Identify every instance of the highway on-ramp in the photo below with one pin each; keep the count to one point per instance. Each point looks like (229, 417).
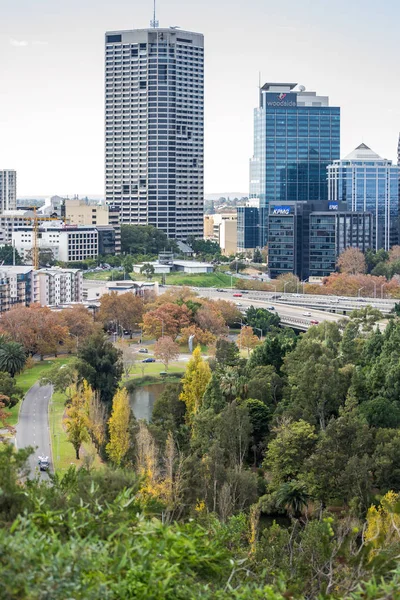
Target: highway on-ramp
(33, 426)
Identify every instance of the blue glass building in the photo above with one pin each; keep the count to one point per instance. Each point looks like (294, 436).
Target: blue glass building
(368, 183)
(296, 136)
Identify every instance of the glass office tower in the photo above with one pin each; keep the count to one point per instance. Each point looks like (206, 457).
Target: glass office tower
(368, 183)
(296, 136)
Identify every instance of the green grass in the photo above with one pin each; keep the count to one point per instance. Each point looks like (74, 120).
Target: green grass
(200, 279)
(101, 275)
(29, 377)
(62, 450)
(196, 280)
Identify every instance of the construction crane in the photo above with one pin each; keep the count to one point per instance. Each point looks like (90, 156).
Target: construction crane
(36, 220)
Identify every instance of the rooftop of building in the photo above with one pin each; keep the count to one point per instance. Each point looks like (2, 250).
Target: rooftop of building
(363, 152)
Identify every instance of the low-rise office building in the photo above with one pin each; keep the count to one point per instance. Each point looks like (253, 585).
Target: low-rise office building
(81, 212)
(68, 243)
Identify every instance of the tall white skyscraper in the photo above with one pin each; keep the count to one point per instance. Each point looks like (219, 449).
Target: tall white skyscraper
(154, 124)
(8, 190)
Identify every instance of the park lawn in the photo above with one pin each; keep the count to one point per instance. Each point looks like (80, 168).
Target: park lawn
(142, 369)
(29, 377)
(63, 452)
(98, 275)
(200, 279)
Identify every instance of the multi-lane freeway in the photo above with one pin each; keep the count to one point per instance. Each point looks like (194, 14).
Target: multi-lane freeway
(33, 425)
(297, 310)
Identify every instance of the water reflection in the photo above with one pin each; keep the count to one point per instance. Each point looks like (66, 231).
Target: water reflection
(143, 398)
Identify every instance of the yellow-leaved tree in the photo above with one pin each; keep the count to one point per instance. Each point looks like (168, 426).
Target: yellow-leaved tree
(195, 380)
(76, 420)
(118, 427)
(383, 523)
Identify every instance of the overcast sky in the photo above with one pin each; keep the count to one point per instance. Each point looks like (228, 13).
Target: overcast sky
(51, 78)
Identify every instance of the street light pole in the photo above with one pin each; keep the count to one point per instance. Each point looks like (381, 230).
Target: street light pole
(374, 282)
(260, 330)
(361, 288)
(284, 287)
(382, 286)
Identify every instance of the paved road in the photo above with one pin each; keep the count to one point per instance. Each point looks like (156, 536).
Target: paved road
(33, 425)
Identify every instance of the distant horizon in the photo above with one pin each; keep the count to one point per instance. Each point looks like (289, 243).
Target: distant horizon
(101, 196)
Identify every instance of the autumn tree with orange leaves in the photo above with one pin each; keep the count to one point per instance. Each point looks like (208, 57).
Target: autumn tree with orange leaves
(352, 262)
(168, 319)
(122, 310)
(39, 329)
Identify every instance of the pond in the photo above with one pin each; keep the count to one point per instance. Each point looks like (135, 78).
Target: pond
(143, 398)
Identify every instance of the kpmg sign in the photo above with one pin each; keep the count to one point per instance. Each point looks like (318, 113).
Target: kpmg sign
(284, 100)
(281, 210)
(333, 206)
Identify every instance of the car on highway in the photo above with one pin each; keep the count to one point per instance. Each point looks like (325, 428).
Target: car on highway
(237, 295)
(148, 360)
(143, 350)
(239, 304)
(220, 290)
(270, 307)
(314, 322)
(244, 291)
(306, 314)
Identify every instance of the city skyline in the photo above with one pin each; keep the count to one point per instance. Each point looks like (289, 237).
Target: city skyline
(52, 111)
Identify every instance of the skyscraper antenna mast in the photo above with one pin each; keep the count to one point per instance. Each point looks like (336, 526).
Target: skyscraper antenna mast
(154, 22)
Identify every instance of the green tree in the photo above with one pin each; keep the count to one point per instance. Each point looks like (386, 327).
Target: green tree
(273, 350)
(12, 358)
(144, 239)
(286, 453)
(293, 496)
(118, 427)
(260, 417)
(61, 377)
(213, 397)
(10, 393)
(101, 365)
(169, 411)
(148, 270)
(7, 254)
(227, 353)
(318, 385)
(266, 385)
(260, 318)
(340, 467)
(233, 384)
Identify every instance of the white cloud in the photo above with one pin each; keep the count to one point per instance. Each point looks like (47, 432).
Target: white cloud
(18, 43)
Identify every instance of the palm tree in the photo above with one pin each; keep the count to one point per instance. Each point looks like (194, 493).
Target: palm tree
(293, 496)
(12, 358)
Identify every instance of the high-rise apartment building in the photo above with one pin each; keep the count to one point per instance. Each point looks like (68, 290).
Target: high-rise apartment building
(296, 136)
(8, 190)
(154, 128)
(368, 183)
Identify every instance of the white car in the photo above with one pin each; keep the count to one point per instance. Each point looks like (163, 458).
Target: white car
(307, 314)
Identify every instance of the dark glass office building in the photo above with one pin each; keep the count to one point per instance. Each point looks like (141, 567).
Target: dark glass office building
(296, 136)
(288, 238)
(331, 232)
(248, 220)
